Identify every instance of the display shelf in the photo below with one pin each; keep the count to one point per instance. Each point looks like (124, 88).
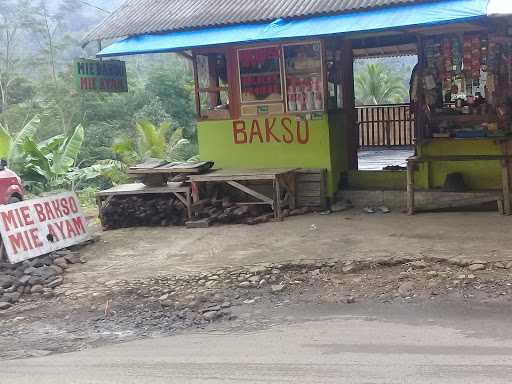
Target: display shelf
(464, 119)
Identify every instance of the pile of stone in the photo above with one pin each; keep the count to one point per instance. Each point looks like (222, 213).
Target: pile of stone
(39, 276)
(142, 211)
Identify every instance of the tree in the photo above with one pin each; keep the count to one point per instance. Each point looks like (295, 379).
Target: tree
(377, 85)
(15, 19)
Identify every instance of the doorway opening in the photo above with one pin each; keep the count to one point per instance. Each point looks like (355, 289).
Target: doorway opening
(385, 121)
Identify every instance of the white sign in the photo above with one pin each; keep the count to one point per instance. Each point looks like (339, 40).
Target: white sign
(36, 227)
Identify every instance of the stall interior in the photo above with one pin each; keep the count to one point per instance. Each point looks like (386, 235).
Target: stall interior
(467, 85)
(267, 80)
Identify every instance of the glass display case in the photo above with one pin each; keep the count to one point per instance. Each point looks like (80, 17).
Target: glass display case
(260, 74)
(304, 77)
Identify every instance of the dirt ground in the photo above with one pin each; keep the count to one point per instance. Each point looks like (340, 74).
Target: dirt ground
(153, 282)
(146, 252)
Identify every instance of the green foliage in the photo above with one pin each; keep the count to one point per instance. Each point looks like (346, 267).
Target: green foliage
(378, 85)
(52, 164)
(154, 142)
(153, 139)
(11, 146)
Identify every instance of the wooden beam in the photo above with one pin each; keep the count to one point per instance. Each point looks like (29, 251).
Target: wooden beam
(250, 192)
(349, 104)
(186, 55)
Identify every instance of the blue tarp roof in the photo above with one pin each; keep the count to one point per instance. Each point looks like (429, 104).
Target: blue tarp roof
(445, 11)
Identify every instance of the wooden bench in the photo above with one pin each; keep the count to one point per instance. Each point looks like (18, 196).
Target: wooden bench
(283, 185)
(504, 202)
(181, 192)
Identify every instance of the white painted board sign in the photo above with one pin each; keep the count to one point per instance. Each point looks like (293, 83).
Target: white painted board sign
(36, 227)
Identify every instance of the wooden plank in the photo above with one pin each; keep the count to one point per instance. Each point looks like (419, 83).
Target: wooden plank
(249, 191)
(139, 188)
(203, 223)
(241, 175)
(410, 187)
(506, 187)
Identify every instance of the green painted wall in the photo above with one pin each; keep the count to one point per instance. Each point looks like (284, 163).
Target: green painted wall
(478, 175)
(388, 180)
(270, 142)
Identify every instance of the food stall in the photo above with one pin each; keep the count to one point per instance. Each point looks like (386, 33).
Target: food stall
(264, 105)
(463, 102)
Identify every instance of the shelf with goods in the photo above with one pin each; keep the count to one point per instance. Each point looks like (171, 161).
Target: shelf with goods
(304, 77)
(461, 84)
(260, 75)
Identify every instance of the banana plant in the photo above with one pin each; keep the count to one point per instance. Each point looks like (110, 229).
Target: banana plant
(153, 139)
(52, 164)
(152, 143)
(11, 145)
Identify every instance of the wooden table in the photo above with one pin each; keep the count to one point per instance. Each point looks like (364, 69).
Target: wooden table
(180, 191)
(157, 174)
(505, 179)
(283, 182)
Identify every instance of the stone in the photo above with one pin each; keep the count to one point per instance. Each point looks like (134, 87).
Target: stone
(499, 265)
(419, 264)
(55, 283)
(4, 305)
(61, 262)
(476, 267)
(6, 281)
(508, 265)
(351, 300)
(166, 303)
(262, 283)
(277, 288)
(29, 270)
(45, 273)
(23, 280)
(406, 289)
(37, 289)
(12, 298)
(214, 308)
(211, 316)
(57, 269)
(164, 297)
(73, 258)
(35, 280)
(352, 267)
(257, 269)
(244, 284)
(225, 305)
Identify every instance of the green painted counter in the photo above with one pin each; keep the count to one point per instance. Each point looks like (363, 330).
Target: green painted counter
(271, 142)
(478, 175)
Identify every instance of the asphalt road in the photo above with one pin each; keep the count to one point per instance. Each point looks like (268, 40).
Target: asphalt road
(411, 345)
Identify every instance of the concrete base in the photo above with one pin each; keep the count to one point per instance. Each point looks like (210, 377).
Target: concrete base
(424, 200)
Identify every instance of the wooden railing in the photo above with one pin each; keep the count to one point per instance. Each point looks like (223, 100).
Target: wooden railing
(385, 125)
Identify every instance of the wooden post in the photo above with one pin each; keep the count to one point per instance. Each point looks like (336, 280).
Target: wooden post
(410, 187)
(506, 186)
(277, 198)
(349, 104)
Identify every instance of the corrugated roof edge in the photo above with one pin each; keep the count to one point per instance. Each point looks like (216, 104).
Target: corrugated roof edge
(93, 35)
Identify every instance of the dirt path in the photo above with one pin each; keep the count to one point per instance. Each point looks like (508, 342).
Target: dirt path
(147, 252)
